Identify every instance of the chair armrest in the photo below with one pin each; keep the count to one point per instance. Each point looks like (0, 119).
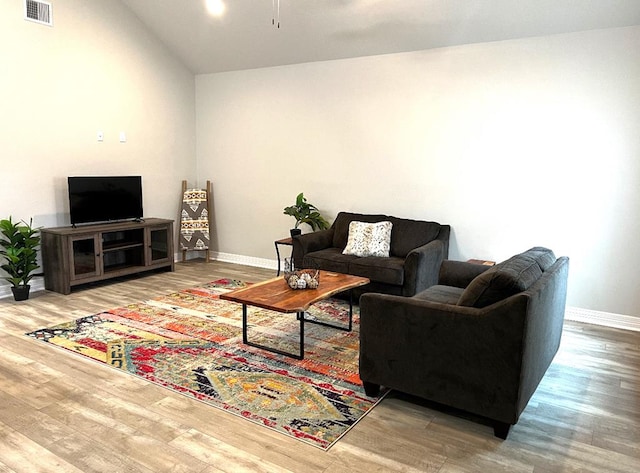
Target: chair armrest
(308, 242)
(446, 353)
(459, 273)
(421, 267)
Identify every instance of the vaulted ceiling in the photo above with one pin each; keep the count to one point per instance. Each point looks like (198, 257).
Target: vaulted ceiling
(246, 37)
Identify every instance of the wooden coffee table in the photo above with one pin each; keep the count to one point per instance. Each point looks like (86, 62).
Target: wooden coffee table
(275, 294)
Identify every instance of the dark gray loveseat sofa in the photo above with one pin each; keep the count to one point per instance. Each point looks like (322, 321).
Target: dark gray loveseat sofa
(480, 341)
(417, 250)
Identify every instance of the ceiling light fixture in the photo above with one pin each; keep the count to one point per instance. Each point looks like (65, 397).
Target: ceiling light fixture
(276, 12)
(215, 7)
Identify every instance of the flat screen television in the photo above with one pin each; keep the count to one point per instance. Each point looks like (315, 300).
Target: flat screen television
(94, 199)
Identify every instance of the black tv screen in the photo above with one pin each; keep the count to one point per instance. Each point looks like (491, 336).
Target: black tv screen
(95, 199)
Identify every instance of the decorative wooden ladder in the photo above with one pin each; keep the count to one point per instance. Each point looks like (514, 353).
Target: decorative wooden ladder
(195, 220)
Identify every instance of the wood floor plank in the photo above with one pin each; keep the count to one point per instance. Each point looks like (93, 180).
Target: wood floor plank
(62, 412)
(89, 454)
(20, 453)
(144, 450)
(5, 469)
(238, 433)
(348, 458)
(224, 456)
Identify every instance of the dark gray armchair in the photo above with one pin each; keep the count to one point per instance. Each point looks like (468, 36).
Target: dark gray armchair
(480, 341)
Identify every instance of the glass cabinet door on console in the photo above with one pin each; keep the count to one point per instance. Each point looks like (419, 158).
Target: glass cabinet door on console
(158, 245)
(85, 254)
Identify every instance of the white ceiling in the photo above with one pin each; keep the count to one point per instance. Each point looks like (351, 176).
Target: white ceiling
(319, 30)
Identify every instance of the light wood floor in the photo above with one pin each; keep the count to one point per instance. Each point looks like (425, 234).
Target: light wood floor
(62, 413)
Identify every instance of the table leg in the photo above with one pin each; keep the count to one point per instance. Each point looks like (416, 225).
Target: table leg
(348, 328)
(299, 356)
(278, 255)
(301, 317)
(244, 323)
(350, 310)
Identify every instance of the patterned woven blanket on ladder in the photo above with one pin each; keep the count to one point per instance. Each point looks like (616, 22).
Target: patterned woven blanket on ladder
(194, 220)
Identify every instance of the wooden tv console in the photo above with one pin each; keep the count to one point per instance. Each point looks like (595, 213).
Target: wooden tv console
(89, 253)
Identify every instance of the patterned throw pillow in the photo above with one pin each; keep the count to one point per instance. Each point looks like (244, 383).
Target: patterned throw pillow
(368, 239)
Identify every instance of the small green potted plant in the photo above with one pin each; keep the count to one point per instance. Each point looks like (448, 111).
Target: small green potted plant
(18, 247)
(304, 212)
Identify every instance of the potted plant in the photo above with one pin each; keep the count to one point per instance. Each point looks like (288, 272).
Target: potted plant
(18, 248)
(304, 212)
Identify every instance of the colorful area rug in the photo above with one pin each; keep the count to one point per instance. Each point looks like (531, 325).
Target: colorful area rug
(191, 342)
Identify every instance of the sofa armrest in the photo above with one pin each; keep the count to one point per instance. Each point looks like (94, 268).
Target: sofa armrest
(446, 353)
(421, 267)
(459, 273)
(308, 242)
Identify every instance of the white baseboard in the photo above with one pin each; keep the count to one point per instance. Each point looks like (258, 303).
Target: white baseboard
(246, 260)
(575, 314)
(606, 319)
(37, 284)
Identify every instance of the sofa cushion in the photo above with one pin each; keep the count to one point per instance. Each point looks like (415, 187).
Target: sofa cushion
(341, 226)
(440, 293)
(543, 256)
(410, 234)
(386, 270)
(368, 239)
(505, 279)
(329, 259)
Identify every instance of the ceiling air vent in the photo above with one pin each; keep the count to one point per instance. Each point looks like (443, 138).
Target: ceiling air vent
(38, 11)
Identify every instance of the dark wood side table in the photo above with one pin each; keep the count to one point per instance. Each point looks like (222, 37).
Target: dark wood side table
(483, 262)
(286, 242)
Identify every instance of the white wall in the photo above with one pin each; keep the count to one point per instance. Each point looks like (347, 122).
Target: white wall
(97, 68)
(515, 144)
